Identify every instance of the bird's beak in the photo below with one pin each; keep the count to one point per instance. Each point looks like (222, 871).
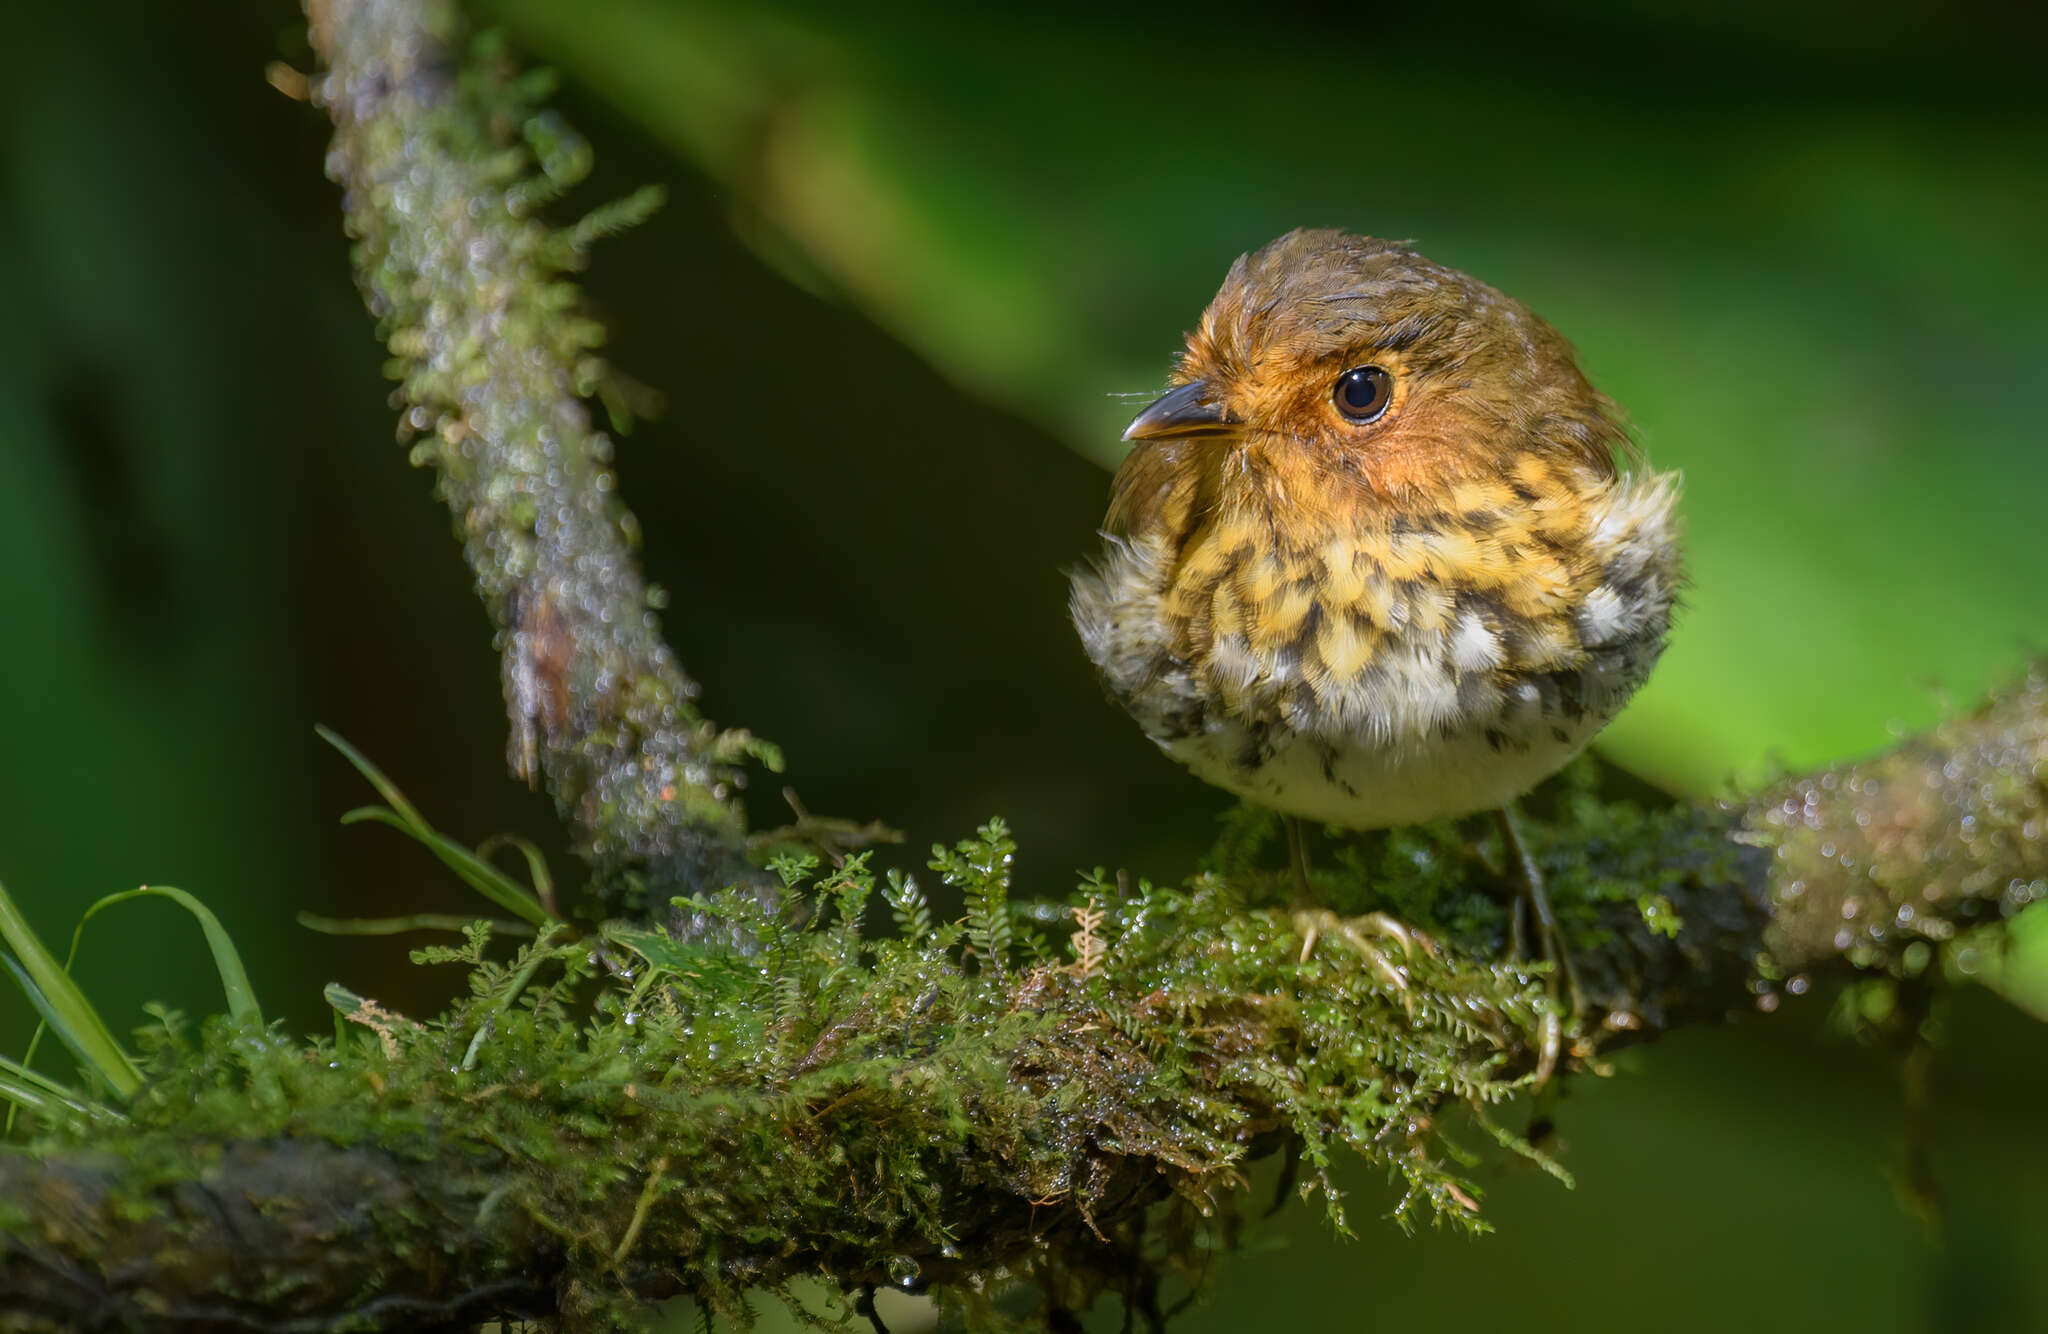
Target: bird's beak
(1183, 411)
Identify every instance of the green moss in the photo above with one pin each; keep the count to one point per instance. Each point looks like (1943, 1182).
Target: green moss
(930, 1107)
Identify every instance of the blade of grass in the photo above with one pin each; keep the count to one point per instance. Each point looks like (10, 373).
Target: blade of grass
(478, 874)
(20, 1096)
(234, 979)
(392, 926)
(81, 1046)
(385, 787)
(63, 1006)
(37, 1092)
(536, 866)
(488, 880)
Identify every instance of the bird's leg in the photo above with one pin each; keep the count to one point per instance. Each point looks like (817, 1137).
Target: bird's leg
(1547, 933)
(1309, 919)
(1297, 856)
(1313, 920)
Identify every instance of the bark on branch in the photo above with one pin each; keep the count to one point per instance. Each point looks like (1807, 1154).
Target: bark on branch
(496, 361)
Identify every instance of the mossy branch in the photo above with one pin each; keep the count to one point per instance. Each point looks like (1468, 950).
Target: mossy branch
(632, 1112)
(444, 166)
(813, 1103)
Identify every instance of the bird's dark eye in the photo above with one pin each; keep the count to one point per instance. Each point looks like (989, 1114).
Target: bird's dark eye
(1362, 393)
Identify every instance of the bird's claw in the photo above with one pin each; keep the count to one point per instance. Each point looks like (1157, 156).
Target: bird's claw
(1315, 923)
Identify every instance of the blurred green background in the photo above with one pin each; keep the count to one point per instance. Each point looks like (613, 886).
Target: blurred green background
(911, 259)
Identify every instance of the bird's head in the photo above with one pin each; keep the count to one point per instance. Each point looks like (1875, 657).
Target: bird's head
(1378, 374)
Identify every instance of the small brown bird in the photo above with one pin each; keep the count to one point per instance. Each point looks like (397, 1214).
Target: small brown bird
(1370, 561)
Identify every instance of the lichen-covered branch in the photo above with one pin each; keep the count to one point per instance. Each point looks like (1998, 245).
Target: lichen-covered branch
(496, 360)
(1882, 861)
(955, 1104)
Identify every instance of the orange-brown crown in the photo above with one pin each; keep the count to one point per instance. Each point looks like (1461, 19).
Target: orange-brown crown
(1477, 385)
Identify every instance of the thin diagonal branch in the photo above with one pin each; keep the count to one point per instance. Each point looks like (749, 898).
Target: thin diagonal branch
(495, 361)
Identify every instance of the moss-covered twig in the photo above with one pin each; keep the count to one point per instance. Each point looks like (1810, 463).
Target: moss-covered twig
(896, 1110)
(496, 360)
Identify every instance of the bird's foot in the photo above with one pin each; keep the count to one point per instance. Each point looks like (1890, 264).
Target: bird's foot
(1358, 933)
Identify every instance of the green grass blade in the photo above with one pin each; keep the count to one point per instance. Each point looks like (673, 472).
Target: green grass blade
(20, 1095)
(63, 1006)
(383, 815)
(393, 926)
(478, 874)
(82, 1045)
(36, 1092)
(487, 879)
(22, 1074)
(385, 787)
(536, 864)
(234, 979)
